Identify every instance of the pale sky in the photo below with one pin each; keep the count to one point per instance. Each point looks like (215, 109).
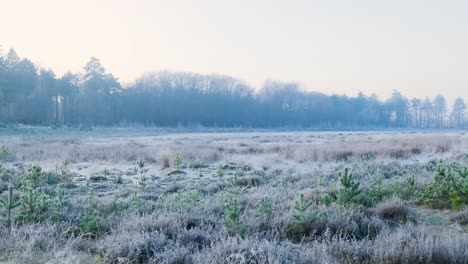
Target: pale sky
(419, 47)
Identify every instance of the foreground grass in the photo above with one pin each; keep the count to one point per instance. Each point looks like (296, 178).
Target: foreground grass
(358, 209)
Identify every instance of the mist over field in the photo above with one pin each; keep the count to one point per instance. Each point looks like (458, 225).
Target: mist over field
(94, 97)
(233, 132)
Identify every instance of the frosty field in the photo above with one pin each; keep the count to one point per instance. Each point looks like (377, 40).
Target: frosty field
(177, 196)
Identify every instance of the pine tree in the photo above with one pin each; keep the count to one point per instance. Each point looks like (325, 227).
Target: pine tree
(8, 205)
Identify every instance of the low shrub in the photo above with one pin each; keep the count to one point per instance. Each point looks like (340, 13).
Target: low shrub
(449, 188)
(393, 210)
(255, 250)
(6, 155)
(336, 222)
(461, 217)
(408, 244)
(90, 224)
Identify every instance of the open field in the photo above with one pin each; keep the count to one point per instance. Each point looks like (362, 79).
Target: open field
(160, 196)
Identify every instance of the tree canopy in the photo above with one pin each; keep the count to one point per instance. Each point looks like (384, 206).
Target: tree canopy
(33, 95)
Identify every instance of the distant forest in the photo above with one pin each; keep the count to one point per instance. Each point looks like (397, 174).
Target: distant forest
(31, 95)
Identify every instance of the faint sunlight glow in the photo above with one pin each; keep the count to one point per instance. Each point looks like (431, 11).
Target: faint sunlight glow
(416, 47)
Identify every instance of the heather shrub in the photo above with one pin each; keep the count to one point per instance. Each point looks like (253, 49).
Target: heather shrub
(135, 247)
(393, 210)
(6, 155)
(461, 217)
(411, 244)
(408, 244)
(336, 222)
(255, 250)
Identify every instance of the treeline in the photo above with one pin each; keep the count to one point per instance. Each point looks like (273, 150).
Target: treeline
(31, 95)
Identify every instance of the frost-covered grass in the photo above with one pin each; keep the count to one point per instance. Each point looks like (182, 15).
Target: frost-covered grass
(243, 197)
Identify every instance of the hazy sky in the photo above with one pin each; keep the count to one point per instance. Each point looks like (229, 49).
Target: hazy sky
(414, 46)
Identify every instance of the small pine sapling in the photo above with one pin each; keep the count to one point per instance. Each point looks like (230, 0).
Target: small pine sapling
(3, 173)
(220, 172)
(264, 208)
(43, 204)
(118, 179)
(177, 162)
(142, 181)
(60, 201)
(184, 201)
(411, 188)
(65, 174)
(8, 205)
(137, 203)
(459, 190)
(35, 176)
(298, 214)
(350, 191)
(89, 224)
(233, 209)
(28, 202)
